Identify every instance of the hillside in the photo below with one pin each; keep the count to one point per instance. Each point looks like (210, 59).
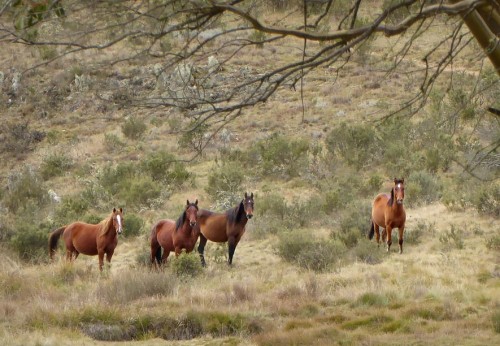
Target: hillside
(77, 140)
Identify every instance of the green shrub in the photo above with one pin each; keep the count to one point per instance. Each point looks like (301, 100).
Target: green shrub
(365, 251)
(309, 252)
(421, 188)
(158, 164)
(133, 225)
(134, 128)
(357, 216)
(113, 143)
(30, 241)
(194, 139)
(283, 157)
(452, 238)
(93, 219)
(413, 235)
(225, 184)
(141, 191)
(495, 319)
(357, 145)
(25, 188)
(487, 199)
(19, 139)
(113, 178)
(55, 165)
(72, 208)
(187, 264)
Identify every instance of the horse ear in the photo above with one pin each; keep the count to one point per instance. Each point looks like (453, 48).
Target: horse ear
(246, 195)
(196, 202)
(251, 195)
(121, 210)
(114, 210)
(187, 202)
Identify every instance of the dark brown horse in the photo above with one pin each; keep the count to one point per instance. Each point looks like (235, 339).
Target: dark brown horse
(175, 236)
(388, 212)
(89, 239)
(225, 227)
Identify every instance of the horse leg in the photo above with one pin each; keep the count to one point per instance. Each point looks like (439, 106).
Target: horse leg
(388, 230)
(164, 257)
(201, 249)
(231, 247)
(377, 233)
(100, 254)
(109, 254)
(401, 230)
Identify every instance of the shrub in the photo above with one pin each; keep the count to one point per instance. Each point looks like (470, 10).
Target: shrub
(283, 157)
(113, 143)
(356, 144)
(134, 128)
(487, 199)
(413, 235)
(452, 238)
(162, 166)
(71, 209)
(187, 264)
(422, 187)
(19, 139)
(224, 184)
(141, 191)
(194, 139)
(365, 251)
(493, 242)
(25, 188)
(55, 165)
(356, 216)
(30, 241)
(273, 205)
(113, 179)
(133, 225)
(310, 253)
(496, 321)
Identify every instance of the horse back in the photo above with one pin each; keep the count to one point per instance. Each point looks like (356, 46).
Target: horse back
(378, 209)
(82, 237)
(213, 225)
(164, 234)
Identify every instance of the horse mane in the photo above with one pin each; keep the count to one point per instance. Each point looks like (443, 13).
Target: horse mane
(391, 200)
(235, 214)
(180, 221)
(106, 224)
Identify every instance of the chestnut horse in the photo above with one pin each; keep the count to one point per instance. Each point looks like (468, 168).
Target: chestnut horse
(388, 212)
(175, 236)
(89, 239)
(225, 227)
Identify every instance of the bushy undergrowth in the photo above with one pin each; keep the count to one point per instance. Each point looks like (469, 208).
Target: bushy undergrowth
(310, 252)
(55, 165)
(134, 128)
(25, 189)
(225, 185)
(30, 241)
(187, 265)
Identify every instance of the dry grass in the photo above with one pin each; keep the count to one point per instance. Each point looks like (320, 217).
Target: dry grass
(419, 294)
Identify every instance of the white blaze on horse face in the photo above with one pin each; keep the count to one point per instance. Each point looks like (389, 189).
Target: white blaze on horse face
(119, 220)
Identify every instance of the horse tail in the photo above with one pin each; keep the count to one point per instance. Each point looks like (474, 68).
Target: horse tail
(53, 239)
(154, 242)
(372, 231)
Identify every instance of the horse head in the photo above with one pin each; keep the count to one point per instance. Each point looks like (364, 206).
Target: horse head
(118, 220)
(192, 213)
(248, 205)
(399, 190)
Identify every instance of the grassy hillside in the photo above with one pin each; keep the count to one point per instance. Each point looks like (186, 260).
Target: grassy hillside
(304, 272)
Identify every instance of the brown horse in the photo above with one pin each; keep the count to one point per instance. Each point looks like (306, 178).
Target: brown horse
(225, 227)
(175, 236)
(388, 212)
(89, 239)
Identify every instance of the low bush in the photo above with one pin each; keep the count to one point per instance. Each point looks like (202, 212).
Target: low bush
(30, 241)
(452, 239)
(225, 185)
(25, 188)
(309, 252)
(134, 128)
(421, 188)
(367, 252)
(55, 165)
(187, 265)
(133, 225)
(140, 191)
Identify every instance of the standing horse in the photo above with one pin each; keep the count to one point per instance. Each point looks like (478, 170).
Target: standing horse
(89, 239)
(225, 227)
(388, 212)
(175, 236)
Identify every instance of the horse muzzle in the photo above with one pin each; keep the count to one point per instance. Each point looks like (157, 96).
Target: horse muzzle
(249, 216)
(192, 223)
(119, 231)
(399, 201)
